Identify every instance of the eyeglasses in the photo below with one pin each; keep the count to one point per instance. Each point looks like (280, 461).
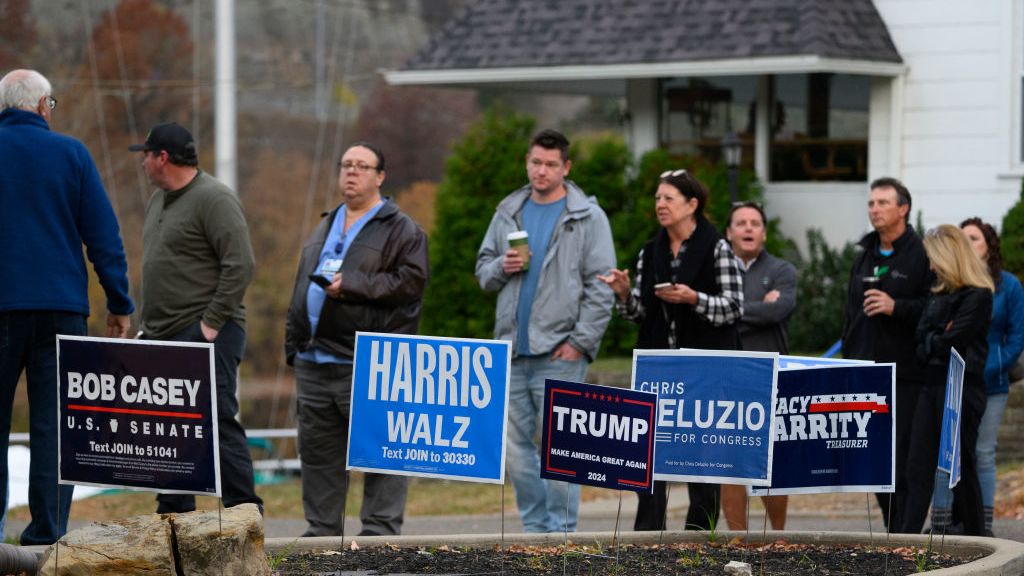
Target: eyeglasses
(51, 102)
(357, 166)
(672, 173)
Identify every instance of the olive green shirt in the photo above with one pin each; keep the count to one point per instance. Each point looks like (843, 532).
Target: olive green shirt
(197, 260)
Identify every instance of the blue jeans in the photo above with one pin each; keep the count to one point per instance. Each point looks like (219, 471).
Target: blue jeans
(28, 342)
(988, 436)
(544, 505)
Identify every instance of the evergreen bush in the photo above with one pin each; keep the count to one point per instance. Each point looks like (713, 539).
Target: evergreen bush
(821, 294)
(485, 165)
(1012, 238)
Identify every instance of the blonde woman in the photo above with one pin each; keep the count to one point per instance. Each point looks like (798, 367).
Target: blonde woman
(957, 315)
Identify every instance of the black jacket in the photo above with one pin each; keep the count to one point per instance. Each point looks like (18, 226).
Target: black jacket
(956, 320)
(384, 274)
(906, 278)
(696, 270)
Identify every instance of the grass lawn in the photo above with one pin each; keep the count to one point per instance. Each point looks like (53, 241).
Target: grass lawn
(427, 497)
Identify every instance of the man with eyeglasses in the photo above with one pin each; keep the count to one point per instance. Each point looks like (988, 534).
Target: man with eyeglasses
(197, 262)
(888, 287)
(363, 268)
(769, 298)
(51, 203)
(554, 310)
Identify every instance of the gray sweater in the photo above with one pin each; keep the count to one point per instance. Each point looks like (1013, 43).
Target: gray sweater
(763, 326)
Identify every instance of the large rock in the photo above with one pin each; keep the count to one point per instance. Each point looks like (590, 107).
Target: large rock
(137, 545)
(232, 543)
(205, 545)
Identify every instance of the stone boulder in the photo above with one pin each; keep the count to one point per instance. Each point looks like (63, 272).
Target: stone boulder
(230, 544)
(194, 544)
(137, 545)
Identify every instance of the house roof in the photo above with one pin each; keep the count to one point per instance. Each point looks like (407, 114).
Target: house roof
(649, 37)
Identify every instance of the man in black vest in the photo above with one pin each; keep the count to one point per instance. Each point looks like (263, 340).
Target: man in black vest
(888, 286)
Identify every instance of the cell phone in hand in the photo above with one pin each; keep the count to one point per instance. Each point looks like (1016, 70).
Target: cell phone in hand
(319, 280)
(662, 286)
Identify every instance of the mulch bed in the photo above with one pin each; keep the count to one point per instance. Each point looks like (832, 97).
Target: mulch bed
(650, 560)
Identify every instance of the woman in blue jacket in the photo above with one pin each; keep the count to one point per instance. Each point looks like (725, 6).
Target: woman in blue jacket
(1005, 344)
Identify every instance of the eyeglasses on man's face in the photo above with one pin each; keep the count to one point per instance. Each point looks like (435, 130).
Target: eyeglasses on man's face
(360, 167)
(672, 173)
(51, 102)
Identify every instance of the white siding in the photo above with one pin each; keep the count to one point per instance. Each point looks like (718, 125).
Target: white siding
(839, 210)
(956, 135)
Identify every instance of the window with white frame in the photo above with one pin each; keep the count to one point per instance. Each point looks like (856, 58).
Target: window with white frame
(817, 123)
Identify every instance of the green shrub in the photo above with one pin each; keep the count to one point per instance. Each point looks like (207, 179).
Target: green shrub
(821, 294)
(1012, 239)
(485, 165)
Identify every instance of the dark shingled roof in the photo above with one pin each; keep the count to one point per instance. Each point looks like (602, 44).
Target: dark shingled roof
(517, 33)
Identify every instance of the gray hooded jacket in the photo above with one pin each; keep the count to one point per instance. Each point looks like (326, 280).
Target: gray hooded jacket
(570, 302)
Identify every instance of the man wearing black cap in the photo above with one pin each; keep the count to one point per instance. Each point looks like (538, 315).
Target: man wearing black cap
(196, 264)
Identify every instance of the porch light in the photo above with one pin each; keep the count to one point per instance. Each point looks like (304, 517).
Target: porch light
(732, 154)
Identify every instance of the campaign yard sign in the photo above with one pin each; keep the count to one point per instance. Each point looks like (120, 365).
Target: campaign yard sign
(137, 414)
(598, 435)
(714, 418)
(834, 430)
(427, 406)
(949, 440)
(787, 361)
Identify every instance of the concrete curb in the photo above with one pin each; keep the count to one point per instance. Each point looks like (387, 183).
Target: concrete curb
(1002, 557)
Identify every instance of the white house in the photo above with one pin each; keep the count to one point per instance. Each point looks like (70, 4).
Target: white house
(826, 95)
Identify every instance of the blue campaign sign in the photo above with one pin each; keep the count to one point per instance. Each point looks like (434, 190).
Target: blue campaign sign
(426, 406)
(714, 418)
(788, 362)
(598, 435)
(834, 430)
(137, 414)
(949, 440)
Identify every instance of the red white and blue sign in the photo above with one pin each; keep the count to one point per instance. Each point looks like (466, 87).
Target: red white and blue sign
(426, 406)
(834, 430)
(715, 418)
(949, 440)
(137, 414)
(598, 435)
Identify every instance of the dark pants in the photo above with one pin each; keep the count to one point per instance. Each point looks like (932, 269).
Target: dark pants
(924, 454)
(891, 504)
(702, 514)
(322, 410)
(28, 342)
(236, 476)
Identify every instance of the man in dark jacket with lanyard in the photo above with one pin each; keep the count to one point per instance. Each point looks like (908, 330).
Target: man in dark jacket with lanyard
(363, 268)
(888, 287)
(51, 203)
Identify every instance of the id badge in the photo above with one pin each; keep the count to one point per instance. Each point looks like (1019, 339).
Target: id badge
(330, 267)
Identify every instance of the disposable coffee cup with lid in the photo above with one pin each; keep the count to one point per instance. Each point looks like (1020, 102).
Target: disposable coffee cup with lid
(870, 282)
(520, 242)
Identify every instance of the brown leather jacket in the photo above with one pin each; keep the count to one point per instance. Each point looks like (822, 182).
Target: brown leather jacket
(384, 274)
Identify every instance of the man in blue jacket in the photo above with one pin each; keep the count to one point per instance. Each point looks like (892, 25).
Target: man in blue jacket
(51, 203)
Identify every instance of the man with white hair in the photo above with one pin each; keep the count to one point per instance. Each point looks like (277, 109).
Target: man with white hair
(51, 203)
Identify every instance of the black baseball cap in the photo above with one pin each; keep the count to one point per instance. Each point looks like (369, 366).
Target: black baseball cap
(170, 136)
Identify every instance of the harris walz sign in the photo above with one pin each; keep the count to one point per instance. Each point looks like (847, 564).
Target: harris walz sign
(137, 414)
